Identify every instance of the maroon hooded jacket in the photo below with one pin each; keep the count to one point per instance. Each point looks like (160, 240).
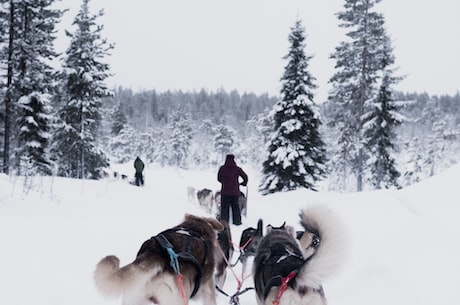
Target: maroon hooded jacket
(228, 176)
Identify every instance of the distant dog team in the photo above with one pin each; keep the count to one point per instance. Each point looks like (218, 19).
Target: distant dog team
(211, 201)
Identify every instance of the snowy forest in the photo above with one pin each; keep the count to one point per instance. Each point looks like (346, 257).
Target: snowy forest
(66, 121)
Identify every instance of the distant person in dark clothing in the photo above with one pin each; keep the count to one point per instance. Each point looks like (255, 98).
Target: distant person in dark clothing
(139, 166)
(228, 176)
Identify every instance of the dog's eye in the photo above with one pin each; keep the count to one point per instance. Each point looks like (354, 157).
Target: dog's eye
(315, 241)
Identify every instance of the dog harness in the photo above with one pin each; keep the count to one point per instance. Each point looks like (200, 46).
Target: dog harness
(286, 265)
(185, 255)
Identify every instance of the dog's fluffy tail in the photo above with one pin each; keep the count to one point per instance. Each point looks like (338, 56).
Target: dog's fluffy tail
(113, 281)
(331, 252)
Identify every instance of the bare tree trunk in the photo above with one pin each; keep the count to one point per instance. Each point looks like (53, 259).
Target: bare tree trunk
(82, 134)
(9, 81)
(363, 97)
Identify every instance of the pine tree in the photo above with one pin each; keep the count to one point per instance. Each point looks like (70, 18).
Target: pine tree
(414, 165)
(34, 133)
(297, 154)
(224, 138)
(359, 67)
(203, 142)
(434, 141)
(123, 145)
(379, 127)
(84, 74)
(150, 144)
(259, 132)
(180, 133)
(30, 78)
(379, 133)
(119, 120)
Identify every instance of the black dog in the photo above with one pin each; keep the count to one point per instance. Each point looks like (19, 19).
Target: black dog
(279, 254)
(289, 266)
(249, 242)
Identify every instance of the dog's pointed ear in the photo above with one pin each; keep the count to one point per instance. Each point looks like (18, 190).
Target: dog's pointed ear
(268, 229)
(215, 224)
(259, 227)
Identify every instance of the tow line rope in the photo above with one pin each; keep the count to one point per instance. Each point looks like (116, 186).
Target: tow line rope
(234, 299)
(241, 250)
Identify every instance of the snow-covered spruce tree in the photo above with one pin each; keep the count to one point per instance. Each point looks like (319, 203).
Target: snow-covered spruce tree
(30, 78)
(34, 133)
(150, 144)
(359, 67)
(414, 165)
(119, 120)
(223, 139)
(434, 141)
(161, 154)
(123, 145)
(259, 132)
(202, 148)
(379, 125)
(181, 134)
(76, 148)
(296, 152)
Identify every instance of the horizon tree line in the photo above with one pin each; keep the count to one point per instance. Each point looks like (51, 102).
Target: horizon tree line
(68, 123)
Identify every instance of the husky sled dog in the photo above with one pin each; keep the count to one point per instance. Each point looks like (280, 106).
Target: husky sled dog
(191, 194)
(249, 242)
(217, 198)
(242, 202)
(291, 271)
(205, 199)
(224, 254)
(155, 277)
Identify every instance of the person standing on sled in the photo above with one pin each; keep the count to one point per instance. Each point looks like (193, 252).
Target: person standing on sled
(228, 176)
(139, 166)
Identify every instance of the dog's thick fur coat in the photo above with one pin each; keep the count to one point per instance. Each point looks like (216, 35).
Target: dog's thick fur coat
(150, 277)
(306, 261)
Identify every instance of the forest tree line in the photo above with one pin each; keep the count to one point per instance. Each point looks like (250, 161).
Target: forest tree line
(67, 122)
(427, 142)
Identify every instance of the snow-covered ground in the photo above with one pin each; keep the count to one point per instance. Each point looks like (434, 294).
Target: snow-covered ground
(403, 246)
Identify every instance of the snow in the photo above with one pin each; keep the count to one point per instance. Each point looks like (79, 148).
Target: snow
(402, 244)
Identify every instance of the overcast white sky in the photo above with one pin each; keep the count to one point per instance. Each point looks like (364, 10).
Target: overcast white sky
(239, 44)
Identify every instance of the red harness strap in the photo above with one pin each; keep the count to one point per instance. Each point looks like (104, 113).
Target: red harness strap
(180, 283)
(284, 285)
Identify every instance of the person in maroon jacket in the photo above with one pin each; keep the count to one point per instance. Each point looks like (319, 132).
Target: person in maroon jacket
(228, 176)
